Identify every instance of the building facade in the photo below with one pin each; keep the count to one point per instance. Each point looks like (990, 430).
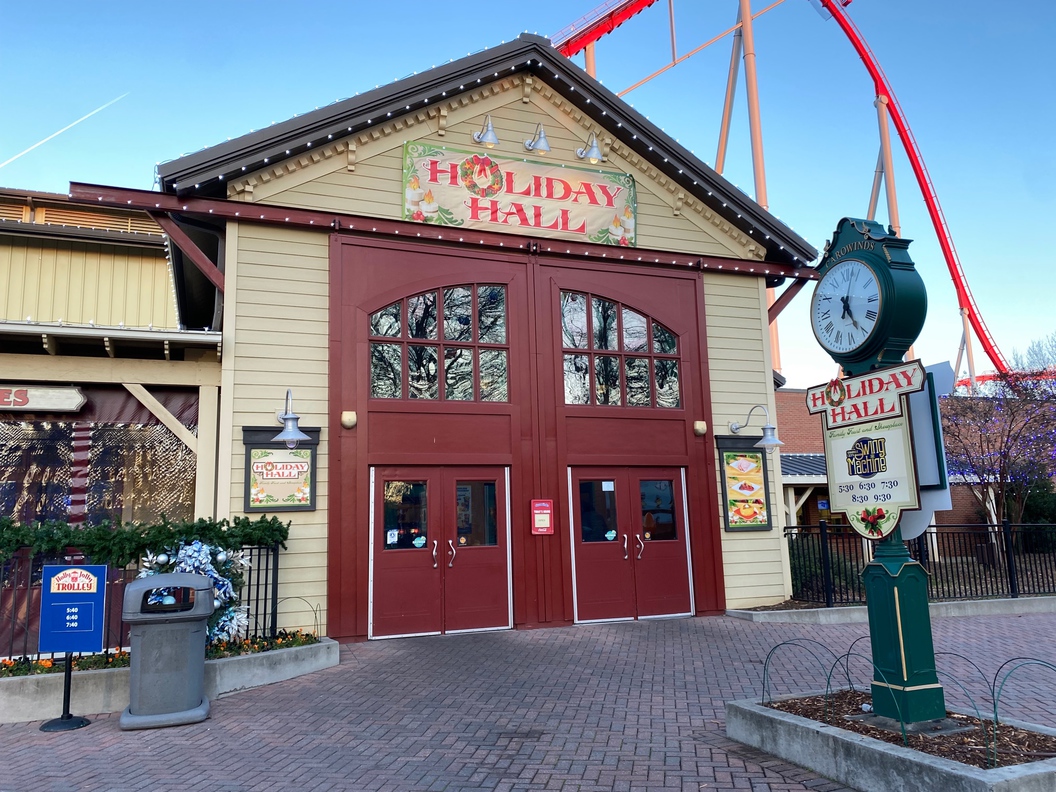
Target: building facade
(521, 363)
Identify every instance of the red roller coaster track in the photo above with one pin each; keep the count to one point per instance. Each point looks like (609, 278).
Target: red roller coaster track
(607, 17)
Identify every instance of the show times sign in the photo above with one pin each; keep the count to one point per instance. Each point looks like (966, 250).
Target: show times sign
(869, 446)
(473, 189)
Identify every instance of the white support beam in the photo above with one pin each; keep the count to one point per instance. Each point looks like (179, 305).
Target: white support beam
(205, 464)
(158, 410)
(41, 368)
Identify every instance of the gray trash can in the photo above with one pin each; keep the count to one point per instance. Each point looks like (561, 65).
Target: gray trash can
(168, 615)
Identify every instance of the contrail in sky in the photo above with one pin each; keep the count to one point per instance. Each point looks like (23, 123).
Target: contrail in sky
(56, 134)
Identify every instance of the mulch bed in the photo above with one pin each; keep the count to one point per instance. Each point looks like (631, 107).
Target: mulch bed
(1014, 746)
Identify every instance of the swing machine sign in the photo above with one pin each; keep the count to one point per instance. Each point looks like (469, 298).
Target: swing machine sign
(72, 609)
(869, 446)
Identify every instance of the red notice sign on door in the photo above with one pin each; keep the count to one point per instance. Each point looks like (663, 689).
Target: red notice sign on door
(542, 517)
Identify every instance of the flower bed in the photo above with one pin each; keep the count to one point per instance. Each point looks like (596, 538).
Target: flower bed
(284, 640)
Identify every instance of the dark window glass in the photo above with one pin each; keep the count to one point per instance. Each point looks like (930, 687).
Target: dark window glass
(422, 372)
(494, 375)
(658, 510)
(405, 522)
(386, 322)
(573, 320)
(635, 332)
(476, 517)
(639, 391)
(607, 379)
(623, 366)
(491, 314)
(597, 511)
(421, 316)
(458, 374)
(667, 383)
(577, 386)
(458, 314)
(664, 340)
(471, 315)
(386, 371)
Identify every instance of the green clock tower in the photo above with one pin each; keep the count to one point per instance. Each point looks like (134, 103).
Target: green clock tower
(870, 303)
(867, 310)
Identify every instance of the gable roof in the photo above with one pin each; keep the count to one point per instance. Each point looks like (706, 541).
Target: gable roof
(206, 172)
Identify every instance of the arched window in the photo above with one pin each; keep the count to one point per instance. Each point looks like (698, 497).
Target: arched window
(616, 356)
(445, 345)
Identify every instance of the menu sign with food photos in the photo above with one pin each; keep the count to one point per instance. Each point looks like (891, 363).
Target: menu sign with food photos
(744, 492)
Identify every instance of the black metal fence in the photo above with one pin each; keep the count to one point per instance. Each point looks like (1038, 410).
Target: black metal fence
(963, 562)
(20, 584)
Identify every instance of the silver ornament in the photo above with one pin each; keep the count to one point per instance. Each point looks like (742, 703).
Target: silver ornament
(162, 558)
(216, 604)
(221, 557)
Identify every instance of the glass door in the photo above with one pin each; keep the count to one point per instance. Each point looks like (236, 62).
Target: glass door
(630, 545)
(440, 555)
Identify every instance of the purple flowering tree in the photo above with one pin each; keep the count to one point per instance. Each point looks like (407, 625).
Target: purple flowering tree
(1001, 440)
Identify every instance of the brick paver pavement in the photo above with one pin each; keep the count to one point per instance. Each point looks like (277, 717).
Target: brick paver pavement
(633, 706)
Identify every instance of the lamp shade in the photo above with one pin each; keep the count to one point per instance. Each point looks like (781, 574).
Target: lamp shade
(290, 435)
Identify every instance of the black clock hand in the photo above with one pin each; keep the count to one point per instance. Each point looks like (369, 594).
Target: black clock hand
(847, 311)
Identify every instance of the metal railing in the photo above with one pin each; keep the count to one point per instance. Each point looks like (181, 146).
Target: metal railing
(963, 562)
(20, 584)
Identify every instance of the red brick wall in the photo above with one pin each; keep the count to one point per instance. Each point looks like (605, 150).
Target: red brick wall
(799, 430)
(965, 509)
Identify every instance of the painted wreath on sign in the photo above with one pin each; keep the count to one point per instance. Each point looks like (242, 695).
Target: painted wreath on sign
(480, 175)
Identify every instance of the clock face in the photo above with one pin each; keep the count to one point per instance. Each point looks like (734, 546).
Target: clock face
(845, 306)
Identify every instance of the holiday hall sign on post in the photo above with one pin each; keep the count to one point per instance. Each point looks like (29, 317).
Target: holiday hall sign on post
(869, 446)
(473, 189)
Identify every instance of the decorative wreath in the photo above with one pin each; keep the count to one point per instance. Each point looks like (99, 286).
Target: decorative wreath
(480, 176)
(835, 393)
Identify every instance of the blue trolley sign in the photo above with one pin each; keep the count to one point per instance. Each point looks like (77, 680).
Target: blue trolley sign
(72, 609)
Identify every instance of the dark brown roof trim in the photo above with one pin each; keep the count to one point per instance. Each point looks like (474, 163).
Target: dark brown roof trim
(206, 172)
(68, 233)
(215, 209)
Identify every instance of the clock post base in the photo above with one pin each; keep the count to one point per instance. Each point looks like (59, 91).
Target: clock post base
(905, 684)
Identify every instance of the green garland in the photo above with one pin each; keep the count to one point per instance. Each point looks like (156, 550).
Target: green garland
(120, 545)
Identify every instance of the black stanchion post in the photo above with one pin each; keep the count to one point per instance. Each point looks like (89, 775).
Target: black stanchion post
(1010, 560)
(66, 722)
(826, 562)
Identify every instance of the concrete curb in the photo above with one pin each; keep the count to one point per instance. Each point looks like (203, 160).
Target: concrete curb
(857, 614)
(874, 765)
(39, 697)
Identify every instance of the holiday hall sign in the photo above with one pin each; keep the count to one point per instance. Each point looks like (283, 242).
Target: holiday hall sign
(473, 189)
(869, 446)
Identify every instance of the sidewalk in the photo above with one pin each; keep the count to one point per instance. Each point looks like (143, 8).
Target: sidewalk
(632, 706)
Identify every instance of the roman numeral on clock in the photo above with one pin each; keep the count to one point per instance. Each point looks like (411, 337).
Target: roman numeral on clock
(870, 315)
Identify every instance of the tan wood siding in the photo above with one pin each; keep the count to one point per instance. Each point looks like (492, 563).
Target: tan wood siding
(375, 187)
(755, 564)
(79, 283)
(281, 341)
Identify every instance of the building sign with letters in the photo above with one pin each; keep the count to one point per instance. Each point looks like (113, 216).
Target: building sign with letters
(72, 609)
(869, 446)
(474, 189)
(33, 398)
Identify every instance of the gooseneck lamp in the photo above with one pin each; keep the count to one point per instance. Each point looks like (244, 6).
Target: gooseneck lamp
(769, 440)
(290, 434)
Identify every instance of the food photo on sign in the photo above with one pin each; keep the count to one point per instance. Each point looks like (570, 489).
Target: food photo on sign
(744, 477)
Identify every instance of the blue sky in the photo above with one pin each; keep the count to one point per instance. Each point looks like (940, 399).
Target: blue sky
(975, 81)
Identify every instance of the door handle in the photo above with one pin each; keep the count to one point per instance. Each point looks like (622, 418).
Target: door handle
(641, 547)
(625, 556)
(453, 553)
(434, 554)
